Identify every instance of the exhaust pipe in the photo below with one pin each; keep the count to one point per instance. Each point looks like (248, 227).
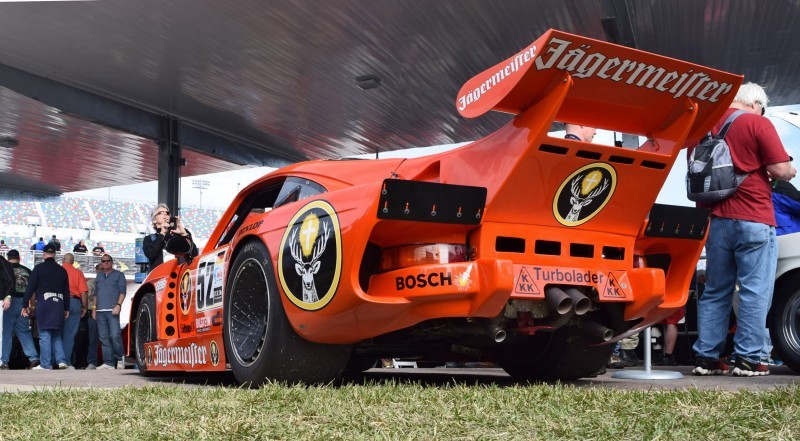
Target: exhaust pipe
(581, 302)
(558, 300)
(596, 329)
(496, 333)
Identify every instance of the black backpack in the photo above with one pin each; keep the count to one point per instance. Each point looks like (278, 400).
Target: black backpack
(710, 173)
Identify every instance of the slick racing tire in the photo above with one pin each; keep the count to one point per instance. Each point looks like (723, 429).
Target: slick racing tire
(564, 354)
(784, 321)
(260, 344)
(144, 330)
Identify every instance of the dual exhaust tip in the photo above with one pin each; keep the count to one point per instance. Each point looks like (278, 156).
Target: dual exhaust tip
(572, 301)
(565, 302)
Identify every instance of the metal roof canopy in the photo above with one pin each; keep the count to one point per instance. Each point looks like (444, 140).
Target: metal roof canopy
(265, 82)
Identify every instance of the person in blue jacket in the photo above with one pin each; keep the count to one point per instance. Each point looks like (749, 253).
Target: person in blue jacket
(786, 202)
(49, 282)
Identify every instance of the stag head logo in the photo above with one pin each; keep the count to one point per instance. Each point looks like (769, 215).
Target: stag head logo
(307, 245)
(584, 193)
(310, 260)
(589, 189)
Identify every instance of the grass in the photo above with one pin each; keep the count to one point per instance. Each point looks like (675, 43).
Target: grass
(393, 410)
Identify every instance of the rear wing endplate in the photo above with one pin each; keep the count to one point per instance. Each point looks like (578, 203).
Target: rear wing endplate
(614, 87)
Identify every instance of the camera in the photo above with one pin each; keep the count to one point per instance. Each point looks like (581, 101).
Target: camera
(173, 223)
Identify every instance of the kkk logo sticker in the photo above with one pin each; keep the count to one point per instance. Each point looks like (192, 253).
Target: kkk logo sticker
(584, 194)
(186, 292)
(310, 259)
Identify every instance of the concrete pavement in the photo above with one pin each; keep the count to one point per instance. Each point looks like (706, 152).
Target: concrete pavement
(27, 380)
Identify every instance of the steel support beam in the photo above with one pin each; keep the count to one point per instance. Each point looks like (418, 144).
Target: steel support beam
(170, 162)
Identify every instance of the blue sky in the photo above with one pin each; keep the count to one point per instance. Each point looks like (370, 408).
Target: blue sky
(224, 186)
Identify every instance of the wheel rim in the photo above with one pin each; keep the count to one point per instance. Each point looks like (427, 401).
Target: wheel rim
(790, 331)
(247, 312)
(144, 331)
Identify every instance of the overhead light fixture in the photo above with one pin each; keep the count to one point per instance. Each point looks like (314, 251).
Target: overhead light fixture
(368, 81)
(8, 142)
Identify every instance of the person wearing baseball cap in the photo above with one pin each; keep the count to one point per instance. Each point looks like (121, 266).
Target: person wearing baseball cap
(13, 322)
(49, 282)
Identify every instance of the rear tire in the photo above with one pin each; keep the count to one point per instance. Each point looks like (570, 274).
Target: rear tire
(260, 344)
(784, 322)
(145, 330)
(564, 354)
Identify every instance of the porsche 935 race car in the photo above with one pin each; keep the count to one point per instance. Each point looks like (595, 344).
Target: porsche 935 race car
(531, 251)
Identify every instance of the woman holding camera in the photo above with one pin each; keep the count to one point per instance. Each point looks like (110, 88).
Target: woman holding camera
(166, 227)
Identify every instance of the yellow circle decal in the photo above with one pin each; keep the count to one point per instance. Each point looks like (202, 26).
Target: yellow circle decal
(186, 292)
(584, 193)
(310, 258)
(214, 353)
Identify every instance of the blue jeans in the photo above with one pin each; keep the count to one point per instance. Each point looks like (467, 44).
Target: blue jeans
(91, 328)
(747, 252)
(50, 340)
(110, 337)
(71, 325)
(15, 324)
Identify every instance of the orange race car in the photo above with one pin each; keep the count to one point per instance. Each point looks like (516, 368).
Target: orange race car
(531, 251)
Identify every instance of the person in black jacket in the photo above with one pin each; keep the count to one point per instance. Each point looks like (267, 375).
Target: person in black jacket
(80, 247)
(153, 244)
(13, 322)
(50, 283)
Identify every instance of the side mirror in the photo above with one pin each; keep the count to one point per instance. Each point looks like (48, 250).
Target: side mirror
(180, 246)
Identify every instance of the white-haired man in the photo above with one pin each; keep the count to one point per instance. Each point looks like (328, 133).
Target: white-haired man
(741, 242)
(164, 229)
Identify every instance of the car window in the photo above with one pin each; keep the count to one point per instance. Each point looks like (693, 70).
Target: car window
(272, 195)
(297, 189)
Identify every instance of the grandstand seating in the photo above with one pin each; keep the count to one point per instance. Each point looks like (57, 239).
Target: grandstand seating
(65, 214)
(17, 212)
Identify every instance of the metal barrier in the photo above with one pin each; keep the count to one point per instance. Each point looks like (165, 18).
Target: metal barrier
(86, 262)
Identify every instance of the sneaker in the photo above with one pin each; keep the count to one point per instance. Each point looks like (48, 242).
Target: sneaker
(120, 364)
(38, 368)
(65, 366)
(668, 360)
(34, 363)
(629, 358)
(3, 367)
(615, 362)
(709, 366)
(744, 368)
(91, 367)
(105, 366)
(601, 371)
(767, 361)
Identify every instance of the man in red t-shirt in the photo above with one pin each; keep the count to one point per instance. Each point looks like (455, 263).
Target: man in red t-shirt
(741, 242)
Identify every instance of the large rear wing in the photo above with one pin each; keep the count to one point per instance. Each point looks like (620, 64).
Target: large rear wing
(613, 87)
